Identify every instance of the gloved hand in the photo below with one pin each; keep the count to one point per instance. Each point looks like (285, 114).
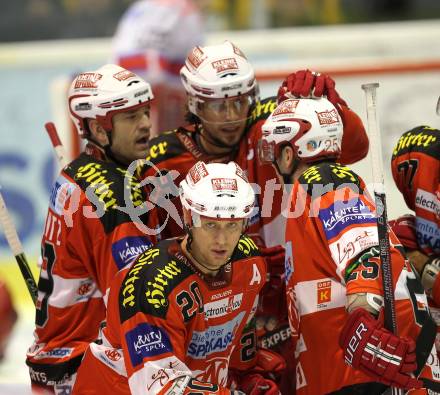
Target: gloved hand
(274, 257)
(269, 363)
(371, 348)
(256, 384)
(307, 83)
(404, 228)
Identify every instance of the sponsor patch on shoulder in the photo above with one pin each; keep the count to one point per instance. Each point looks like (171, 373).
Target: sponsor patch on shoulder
(145, 341)
(340, 215)
(126, 250)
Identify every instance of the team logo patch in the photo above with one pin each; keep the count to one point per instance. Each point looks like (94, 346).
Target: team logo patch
(126, 250)
(146, 341)
(341, 215)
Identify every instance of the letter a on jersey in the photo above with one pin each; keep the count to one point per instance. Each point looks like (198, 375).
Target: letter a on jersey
(256, 276)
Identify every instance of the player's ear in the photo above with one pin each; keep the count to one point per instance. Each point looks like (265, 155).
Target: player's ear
(98, 132)
(287, 159)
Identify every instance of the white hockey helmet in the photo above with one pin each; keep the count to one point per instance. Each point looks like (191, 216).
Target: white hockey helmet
(217, 190)
(217, 72)
(102, 93)
(312, 127)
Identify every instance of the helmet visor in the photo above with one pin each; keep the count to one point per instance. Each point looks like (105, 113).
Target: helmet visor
(226, 110)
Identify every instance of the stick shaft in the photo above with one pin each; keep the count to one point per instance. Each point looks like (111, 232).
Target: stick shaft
(381, 208)
(17, 249)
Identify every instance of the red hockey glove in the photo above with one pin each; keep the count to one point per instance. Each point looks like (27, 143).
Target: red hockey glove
(306, 83)
(256, 384)
(371, 348)
(274, 257)
(269, 363)
(404, 228)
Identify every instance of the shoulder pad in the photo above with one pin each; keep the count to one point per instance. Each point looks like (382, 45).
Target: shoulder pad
(246, 248)
(420, 139)
(330, 175)
(104, 186)
(150, 281)
(164, 147)
(262, 110)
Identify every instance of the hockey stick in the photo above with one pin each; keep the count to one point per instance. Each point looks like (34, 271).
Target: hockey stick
(390, 321)
(17, 249)
(57, 145)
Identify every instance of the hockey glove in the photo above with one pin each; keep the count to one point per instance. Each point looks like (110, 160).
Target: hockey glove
(256, 384)
(374, 350)
(307, 83)
(274, 257)
(404, 228)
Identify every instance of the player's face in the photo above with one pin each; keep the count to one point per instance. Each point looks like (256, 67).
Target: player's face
(130, 134)
(214, 241)
(225, 119)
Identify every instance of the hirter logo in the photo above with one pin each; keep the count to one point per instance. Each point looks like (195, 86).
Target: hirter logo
(87, 81)
(328, 117)
(324, 289)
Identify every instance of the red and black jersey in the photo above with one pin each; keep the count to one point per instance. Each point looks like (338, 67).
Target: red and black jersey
(332, 252)
(174, 153)
(92, 231)
(174, 327)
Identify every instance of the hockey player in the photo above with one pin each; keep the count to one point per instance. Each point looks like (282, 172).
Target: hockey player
(226, 117)
(181, 316)
(152, 39)
(415, 167)
(333, 274)
(88, 237)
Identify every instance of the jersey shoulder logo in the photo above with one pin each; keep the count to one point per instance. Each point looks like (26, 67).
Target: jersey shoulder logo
(246, 248)
(149, 282)
(329, 176)
(111, 190)
(262, 109)
(419, 139)
(163, 147)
